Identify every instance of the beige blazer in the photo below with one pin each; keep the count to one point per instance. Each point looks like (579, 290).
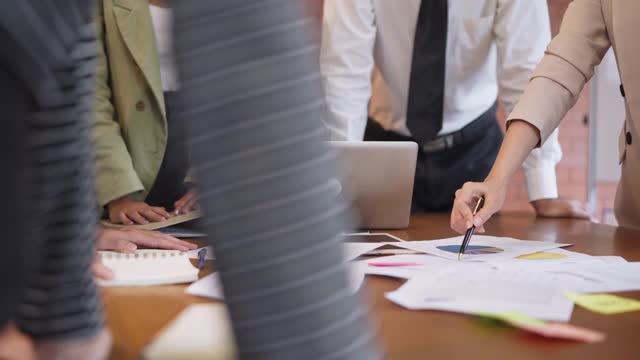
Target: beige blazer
(131, 125)
(589, 29)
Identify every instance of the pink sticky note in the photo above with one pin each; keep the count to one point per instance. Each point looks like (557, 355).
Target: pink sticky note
(550, 329)
(393, 264)
(564, 331)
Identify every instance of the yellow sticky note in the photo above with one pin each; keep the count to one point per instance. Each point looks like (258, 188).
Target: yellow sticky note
(542, 256)
(604, 303)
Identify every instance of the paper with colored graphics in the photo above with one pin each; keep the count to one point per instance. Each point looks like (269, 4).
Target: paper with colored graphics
(481, 248)
(473, 288)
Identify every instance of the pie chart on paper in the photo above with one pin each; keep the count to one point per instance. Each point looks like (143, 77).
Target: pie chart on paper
(472, 249)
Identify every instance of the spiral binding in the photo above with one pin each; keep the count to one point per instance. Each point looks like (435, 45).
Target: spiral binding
(144, 254)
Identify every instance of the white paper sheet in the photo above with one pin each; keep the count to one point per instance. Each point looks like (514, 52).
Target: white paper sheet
(395, 272)
(480, 288)
(592, 276)
(208, 287)
(357, 273)
(201, 331)
(481, 248)
(612, 259)
(613, 276)
(409, 260)
(353, 250)
(559, 259)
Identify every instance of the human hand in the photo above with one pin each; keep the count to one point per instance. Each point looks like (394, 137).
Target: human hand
(100, 270)
(186, 203)
(127, 240)
(129, 212)
(561, 208)
(14, 345)
(462, 218)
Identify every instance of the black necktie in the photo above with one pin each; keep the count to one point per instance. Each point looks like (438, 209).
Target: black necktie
(426, 86)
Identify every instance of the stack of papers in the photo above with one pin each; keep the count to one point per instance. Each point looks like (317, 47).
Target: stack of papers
(497, 275)
(477, 289)
(352, 251)
(483, 248)
(588, 277)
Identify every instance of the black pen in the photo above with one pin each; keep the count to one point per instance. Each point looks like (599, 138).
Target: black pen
(467, 236)
(202, 256)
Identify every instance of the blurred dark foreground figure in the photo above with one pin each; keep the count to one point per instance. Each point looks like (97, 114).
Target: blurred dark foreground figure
(251, 101)
(47, 62)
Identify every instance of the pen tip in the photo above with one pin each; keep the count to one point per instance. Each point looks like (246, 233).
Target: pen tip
(459, 256)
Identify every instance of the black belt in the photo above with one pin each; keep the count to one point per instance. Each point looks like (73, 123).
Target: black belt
(470, 133)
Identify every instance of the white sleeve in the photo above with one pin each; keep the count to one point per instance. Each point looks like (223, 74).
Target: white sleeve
(346, 63)
(522, 32)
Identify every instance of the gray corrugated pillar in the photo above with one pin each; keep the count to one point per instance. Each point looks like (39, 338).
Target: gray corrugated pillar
(49, 47)
(251, 98)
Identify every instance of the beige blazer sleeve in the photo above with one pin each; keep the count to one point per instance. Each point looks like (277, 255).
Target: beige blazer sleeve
(567, 66)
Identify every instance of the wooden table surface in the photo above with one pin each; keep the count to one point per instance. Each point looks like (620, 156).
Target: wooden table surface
(135, 315)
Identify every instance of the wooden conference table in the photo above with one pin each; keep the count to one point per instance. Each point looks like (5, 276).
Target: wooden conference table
(135, 315)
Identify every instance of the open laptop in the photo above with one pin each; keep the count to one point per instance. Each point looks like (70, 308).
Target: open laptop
(379, 179)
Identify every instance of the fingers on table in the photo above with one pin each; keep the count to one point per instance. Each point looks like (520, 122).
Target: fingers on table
(115, 239)
(155, 239)
(100, 270)
(152, 215)
(122, 218)
(186, 203)
(161, 211)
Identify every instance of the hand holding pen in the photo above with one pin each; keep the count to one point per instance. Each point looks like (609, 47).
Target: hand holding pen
(469, 233)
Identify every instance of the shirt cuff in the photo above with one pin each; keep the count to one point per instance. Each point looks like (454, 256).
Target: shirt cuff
(541, 182)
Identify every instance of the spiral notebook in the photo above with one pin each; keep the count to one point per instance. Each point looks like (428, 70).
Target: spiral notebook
(148, 267)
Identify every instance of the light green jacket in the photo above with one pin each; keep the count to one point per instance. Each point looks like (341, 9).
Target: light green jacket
(131, 125)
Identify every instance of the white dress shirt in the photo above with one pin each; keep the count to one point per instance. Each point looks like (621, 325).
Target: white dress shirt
(162, 19)
(492, 48)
